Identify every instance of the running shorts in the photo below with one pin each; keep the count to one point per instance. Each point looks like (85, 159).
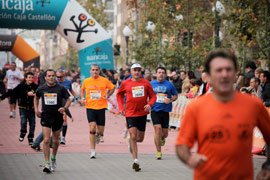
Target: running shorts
(160, 117)
(97, 116)
(139, 122)
(12, 98)
(52, 120)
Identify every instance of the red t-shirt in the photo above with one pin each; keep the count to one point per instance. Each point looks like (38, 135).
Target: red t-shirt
(224, 132)
(137, 93)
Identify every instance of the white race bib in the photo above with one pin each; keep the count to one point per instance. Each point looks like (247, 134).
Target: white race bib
(138, 91)
(50, 99)
(95, 94)
(161, 97)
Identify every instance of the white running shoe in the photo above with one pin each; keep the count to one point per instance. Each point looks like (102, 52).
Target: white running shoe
(63, 140)
(53, 167)
(47, 168)
(93, 155)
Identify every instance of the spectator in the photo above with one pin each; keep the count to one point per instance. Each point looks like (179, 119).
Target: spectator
(177, 82)
(250, 68)
(264, 77)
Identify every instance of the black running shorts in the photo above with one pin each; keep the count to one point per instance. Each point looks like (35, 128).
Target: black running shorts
(138, 122)
(97, 116)
(12, 98)
(52, 120)
(160, 117)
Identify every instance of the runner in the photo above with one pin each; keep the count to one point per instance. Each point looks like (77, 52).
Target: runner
(166, 94)
(221, 127)
(63, 81)
(137, 91)
(51, 116)
(13, 79)
(94, 89)
(25, 93)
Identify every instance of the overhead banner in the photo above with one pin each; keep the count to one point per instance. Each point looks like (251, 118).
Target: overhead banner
(68, 18)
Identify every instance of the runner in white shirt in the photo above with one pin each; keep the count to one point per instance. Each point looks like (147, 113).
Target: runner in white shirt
(13, 79)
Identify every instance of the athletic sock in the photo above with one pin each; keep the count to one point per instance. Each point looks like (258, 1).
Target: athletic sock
(64, 130)
(136, 160)
(93, 150)
(53, 157)
(47, 162)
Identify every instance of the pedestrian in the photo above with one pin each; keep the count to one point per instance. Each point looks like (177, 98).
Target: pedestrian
(137, 90)
(94, 89)
(13, 79)
(221, 127)
(166, 93)
(25, 93)
(51, 116)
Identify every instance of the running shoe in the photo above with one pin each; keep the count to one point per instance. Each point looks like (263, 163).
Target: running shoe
(53, 164)
(129, 147)
(47, 168)
(125, 133)
(163, 142)
(159, 155)
(136, 166)
(93, 155)
(37, 148)
(63, 140)
(97, 138)
(21, 138)
(30, 141)
(101, 139)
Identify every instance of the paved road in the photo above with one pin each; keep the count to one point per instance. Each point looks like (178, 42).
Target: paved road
(19, 161)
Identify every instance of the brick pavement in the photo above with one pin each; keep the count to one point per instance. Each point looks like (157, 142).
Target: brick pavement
(19, 161)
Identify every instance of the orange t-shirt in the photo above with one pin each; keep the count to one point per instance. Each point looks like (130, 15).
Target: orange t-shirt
(224, 133)
(95, 89)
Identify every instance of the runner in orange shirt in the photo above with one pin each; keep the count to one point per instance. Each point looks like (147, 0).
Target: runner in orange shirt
(222, 123)
(95, 91)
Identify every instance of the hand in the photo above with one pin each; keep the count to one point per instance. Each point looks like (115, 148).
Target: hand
(147, 108)
(38, 113)
(81, 101)
(264, 174)
(167, 100)
(61, 110)
(122, 112)
(196, 160)
(30, 93)
(15, 77)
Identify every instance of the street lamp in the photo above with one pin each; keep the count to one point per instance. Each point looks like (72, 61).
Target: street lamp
(219, 11)
(126, 32)
(150, 26)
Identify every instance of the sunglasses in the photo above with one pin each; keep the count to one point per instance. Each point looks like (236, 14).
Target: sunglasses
(59, 76)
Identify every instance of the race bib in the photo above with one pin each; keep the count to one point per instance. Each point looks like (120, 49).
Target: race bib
(50, 99)
(12, 84)
(161, 97)
(95, 94)
(138, 91)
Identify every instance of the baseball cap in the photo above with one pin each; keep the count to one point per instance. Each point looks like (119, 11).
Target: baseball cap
(136, 65)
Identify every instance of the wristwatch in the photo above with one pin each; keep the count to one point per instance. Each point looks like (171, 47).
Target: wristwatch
(266, 165)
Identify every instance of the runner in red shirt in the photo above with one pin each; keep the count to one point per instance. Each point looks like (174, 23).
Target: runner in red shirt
(137, 91)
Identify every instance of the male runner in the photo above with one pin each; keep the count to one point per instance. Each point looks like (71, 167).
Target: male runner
(63, 81)
(166, 94)
(51, 116)
(137, 91)
(95, 91)
(222, 123)
(13, 79)
(25, 93)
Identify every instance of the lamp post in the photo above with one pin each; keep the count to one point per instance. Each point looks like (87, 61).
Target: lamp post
(219, 11)
(126, 32)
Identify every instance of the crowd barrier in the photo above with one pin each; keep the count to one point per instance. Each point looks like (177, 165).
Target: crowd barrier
(176, 116)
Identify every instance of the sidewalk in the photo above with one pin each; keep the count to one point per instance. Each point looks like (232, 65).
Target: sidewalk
(19, 161)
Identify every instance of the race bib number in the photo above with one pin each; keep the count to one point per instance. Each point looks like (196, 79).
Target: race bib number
(95, 94)
(12, 84)
(50, 99)
(138, 91)
(161, 97)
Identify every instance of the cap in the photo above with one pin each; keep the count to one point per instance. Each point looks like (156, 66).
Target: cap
(136, 66)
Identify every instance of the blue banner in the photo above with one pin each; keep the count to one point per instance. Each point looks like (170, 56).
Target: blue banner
(31, 14)
(100, 53)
